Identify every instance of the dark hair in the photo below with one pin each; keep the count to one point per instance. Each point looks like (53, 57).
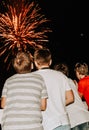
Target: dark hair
(42, 56)
(63, 67)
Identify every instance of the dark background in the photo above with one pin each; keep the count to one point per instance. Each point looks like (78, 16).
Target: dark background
(70, 37)
(69, 40)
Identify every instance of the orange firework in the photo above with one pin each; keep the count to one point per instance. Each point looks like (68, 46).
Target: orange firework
(23, 27)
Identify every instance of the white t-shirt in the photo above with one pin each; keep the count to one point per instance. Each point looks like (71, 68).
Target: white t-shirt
(77, 111)
(56, 83)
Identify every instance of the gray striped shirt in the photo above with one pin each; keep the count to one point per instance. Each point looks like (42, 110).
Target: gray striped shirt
(23, 94)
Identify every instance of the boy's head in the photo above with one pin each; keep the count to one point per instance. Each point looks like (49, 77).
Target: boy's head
(22, 62)
(81, 70)
(63, 67)
(42, 57)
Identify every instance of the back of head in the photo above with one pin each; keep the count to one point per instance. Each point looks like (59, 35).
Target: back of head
(63, 68)
(82, 68)
(22, 62)
(42, 56)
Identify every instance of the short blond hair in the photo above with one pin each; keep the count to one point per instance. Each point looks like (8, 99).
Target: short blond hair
(22, 62)
(82, 68)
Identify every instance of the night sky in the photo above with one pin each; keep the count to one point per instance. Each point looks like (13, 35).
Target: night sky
(70, 37)
(69, 40)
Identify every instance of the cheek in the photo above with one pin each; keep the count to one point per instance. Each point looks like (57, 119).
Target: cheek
(79, 77)
(77, 74)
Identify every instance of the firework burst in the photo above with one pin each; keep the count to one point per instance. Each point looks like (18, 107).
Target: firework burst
(22, 28)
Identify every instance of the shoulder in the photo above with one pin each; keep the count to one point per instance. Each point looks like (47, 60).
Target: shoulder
(83, 80)
(11, 77)
(36, 75)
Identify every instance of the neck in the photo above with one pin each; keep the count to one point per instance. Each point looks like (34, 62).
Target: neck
(44, 67)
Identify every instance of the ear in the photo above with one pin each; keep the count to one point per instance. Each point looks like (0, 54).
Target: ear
(50, 62)
(32, 66)
(36, 64)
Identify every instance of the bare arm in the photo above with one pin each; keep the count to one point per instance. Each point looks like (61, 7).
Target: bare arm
(69, 97)
(3, 102)
(43, 104)
(81, 96)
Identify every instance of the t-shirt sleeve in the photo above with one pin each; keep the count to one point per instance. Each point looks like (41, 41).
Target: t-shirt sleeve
(67, 84)
(44, 91)
(4, 90)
